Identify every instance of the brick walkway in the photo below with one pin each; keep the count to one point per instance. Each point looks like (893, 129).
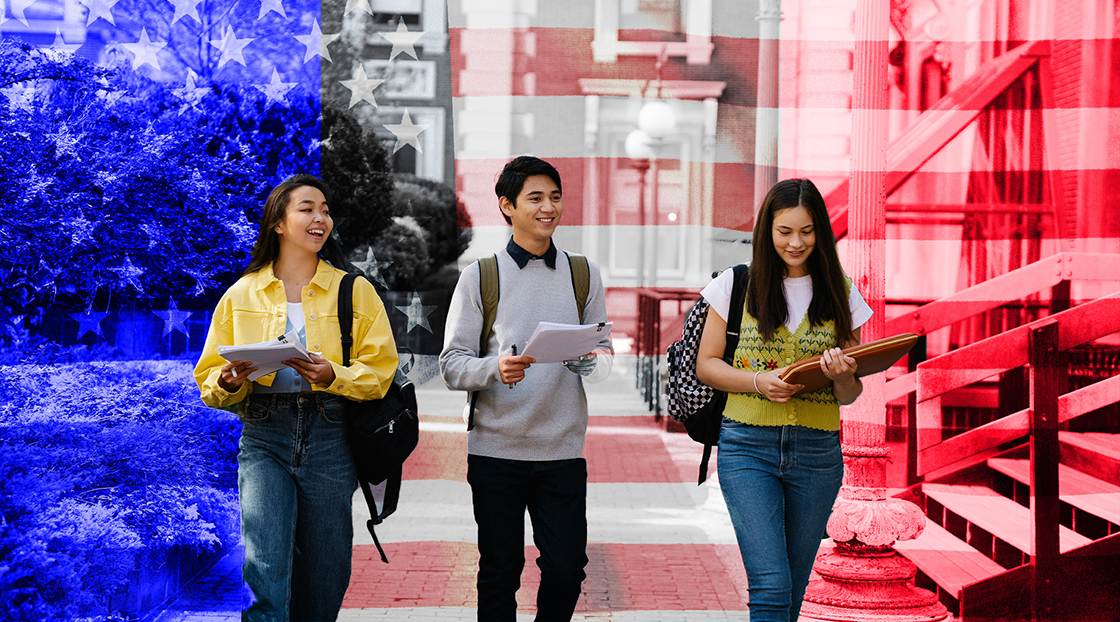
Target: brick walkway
(661, 548)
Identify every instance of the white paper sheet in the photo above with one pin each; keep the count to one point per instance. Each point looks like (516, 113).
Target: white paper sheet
(555, 343)
(267, 355)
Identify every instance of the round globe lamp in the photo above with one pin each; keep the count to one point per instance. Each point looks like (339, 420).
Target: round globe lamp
(657, 119)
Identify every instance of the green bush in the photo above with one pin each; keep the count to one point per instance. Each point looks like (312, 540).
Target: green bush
(101, 465)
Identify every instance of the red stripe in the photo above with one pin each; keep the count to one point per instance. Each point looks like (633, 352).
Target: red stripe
(497, 61)
(617, 449)
(620, 577)
(552, 61)
(439, 455)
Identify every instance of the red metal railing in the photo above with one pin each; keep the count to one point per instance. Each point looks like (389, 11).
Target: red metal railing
(653, 338)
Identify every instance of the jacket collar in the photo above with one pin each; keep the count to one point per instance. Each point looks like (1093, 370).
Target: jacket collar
(324, 276)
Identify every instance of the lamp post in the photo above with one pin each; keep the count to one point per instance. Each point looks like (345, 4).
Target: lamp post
(639, 151)
(656, 120)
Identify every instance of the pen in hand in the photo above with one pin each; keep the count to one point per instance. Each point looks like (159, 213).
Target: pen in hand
(513, 352)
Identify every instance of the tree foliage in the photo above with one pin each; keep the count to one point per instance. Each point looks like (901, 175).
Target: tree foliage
(123, 191)
(356, 170)
(91, 485)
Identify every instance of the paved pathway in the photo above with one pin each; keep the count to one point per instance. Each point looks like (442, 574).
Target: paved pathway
(661, 548)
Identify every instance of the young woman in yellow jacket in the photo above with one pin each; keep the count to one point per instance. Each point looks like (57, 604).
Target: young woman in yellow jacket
(295, 474)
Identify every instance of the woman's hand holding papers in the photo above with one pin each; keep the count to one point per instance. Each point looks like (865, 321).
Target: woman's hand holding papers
(319, 371)
(234, 374)
(512, 368)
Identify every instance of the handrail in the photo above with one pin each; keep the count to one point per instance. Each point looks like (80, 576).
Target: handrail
(1016, 425)
(1013, 285)
(1008, 350)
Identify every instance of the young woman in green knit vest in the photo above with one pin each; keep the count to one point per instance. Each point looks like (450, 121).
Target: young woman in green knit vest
(780, 466)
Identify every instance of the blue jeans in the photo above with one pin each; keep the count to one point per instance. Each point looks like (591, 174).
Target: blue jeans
(296, 478)
(555, 494)
(779, 484)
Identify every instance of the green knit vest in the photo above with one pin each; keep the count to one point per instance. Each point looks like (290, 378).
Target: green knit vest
(812, 409)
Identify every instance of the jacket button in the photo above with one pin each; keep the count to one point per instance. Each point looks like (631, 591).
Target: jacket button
(312, 316)
(318, 348)
(310, 292)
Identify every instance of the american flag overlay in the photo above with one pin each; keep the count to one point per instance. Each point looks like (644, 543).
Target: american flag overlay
(966, 151)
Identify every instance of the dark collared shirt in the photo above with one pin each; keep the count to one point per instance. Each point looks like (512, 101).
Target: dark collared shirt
(522, 256)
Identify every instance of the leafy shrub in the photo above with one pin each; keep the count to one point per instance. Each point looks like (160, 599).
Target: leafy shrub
(435, 207)
(91, 481)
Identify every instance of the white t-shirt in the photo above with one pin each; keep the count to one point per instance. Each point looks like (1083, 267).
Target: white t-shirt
(798, 292)
(295, 316)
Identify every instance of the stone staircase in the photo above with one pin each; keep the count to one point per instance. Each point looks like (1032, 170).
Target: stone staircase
(976, 550)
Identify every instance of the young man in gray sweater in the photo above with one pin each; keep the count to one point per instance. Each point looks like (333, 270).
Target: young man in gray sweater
(525, 450)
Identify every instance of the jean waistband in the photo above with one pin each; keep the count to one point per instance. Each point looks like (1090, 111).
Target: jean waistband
(273, 400)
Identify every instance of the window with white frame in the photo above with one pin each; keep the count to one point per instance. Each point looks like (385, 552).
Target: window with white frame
(657, 20)
(646, 27)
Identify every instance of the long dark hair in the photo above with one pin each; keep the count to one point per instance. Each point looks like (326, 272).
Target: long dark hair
(765, 300)
(267, 247)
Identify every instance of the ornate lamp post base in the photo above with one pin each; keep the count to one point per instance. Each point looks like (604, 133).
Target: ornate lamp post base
(863, 578)
(868, 584)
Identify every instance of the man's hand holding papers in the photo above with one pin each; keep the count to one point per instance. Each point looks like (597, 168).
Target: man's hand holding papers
(556, 343)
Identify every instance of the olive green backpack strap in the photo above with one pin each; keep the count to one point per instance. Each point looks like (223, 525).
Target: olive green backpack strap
(581, 280)
(489, 290)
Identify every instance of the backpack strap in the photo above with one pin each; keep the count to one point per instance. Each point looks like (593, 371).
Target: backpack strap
(735, 311)
(393, 482)
(739, 285)
(346, 315)
(489, 291)
(581, 280)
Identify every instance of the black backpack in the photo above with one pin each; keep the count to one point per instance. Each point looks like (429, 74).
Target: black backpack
(693, 403)
(382, 432)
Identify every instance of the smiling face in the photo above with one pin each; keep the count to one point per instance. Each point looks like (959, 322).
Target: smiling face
(794, 238)
(536, 214)
(307, 221)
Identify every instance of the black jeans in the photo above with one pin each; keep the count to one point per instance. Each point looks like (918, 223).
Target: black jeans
(555, 493)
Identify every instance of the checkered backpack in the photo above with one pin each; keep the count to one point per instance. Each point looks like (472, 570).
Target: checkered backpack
(693, 403)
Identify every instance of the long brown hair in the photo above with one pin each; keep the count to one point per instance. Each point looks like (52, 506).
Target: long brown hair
(267, 247)
(765, 300)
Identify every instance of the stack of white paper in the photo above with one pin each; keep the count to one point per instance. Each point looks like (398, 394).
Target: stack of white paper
(555, 343)
(267, 355)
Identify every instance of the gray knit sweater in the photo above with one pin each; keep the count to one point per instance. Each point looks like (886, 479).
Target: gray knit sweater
(543, 417)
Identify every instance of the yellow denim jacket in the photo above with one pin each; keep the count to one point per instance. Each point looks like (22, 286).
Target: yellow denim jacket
(253, 310)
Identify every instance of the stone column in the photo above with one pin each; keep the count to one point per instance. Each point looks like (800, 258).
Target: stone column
(767, 119)
(863, 578)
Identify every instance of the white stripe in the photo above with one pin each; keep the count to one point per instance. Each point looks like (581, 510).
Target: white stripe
(465, 614)
(623, 513)
(483, 122)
